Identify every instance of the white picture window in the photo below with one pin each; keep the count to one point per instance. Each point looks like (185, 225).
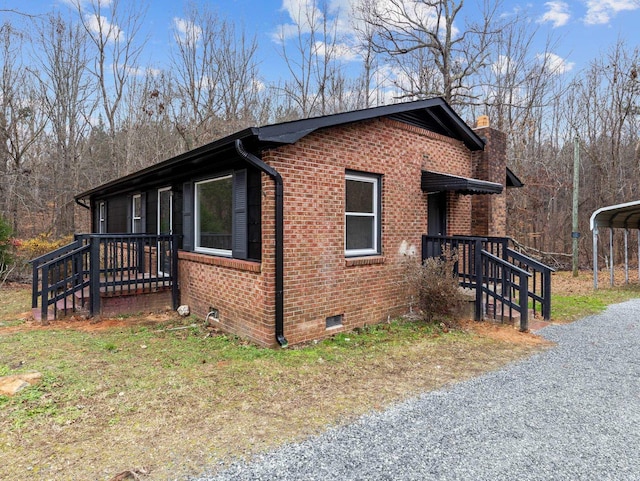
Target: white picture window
(362, 216)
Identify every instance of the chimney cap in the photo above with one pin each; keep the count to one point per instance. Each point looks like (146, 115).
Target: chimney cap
(482, 121)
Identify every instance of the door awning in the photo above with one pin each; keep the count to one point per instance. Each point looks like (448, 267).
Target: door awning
(437, 182)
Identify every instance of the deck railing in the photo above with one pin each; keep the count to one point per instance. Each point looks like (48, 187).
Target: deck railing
(75, 276)
(477, 266)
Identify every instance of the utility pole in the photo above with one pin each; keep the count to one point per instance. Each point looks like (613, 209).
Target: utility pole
(575, 235)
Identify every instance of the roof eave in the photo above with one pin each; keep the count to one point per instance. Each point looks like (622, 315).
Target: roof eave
(216, 146)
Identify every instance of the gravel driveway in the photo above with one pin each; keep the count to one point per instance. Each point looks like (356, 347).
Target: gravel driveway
(570, 413)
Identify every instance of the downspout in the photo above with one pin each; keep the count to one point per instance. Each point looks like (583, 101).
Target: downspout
(279, 228)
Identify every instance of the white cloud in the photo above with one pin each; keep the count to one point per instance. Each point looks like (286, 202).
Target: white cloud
(186, 30)
(502, 65)
(339, 51)
(558, 14)
(555, 64)
(601, 11)
(304, 14)
(100, 25)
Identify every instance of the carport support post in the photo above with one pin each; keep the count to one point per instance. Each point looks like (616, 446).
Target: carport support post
(626, 256)
(611, 256)
(595, 257)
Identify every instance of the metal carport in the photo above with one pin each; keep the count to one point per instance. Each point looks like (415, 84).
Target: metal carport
(620, 216)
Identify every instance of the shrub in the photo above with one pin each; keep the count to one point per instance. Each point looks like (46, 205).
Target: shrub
(436, 288)
(39, 245)
(28, 249)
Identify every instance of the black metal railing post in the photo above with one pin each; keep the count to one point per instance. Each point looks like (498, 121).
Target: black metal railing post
(94, 274)
(478, 314)
(35, 281)
(174, 271)
(44, 304)
(524, 303)
(546, 296)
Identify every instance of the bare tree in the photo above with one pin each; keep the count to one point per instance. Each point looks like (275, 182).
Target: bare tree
(368, 82)
(22, 122)
(116, 43)
(216, 82)
(313, 63)
(421, 40)
(608, 100)
(68, 97)
(147, 130)
(196, 75)
(239, 85)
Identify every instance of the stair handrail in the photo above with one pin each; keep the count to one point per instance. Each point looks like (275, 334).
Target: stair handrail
(40, 283)
(40, 260)
(545, 270)
(523, 290)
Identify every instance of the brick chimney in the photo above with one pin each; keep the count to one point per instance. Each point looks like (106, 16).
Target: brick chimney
(489, 211)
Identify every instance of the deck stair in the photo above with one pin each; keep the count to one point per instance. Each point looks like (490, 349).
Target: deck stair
(508, 286)
(81, 276)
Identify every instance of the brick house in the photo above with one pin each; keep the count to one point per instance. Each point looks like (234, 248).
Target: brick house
(294, 231)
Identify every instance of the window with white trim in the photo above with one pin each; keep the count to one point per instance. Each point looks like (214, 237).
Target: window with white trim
(362, 214)
(214, 215)
(136, 214)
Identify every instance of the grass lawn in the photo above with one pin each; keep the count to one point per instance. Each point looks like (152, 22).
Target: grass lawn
(136, 393)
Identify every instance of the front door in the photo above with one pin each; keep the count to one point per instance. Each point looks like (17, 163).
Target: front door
(437, 214)
(165, 226)
(436, 221)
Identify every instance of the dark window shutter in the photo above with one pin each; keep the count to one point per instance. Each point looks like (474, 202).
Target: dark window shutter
(188, 230)
(143, 214)
(129, 214)
(240, 238)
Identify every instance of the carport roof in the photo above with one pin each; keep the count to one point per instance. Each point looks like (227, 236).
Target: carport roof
(619, 216)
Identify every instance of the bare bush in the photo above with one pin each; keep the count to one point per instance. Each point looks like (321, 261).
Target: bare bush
(436, 287)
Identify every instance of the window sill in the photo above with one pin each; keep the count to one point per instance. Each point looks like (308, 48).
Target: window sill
(212, 260)
(364, 261)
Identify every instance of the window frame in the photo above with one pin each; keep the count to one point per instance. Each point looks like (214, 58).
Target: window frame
(376, 181)
(102, 217)
(135, 217)
(196, 217)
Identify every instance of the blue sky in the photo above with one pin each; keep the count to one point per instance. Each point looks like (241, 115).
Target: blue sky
(584, 28)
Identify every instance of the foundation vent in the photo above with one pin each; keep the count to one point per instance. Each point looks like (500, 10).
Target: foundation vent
(334, 321)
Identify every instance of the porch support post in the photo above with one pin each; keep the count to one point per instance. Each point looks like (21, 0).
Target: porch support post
(611, 256)
(595, 257)
(638, 234)
(94, 263)
(174, 271)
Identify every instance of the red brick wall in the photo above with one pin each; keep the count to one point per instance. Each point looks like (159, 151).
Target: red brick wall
(236, 288)
(319, 281)
(135, 302)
